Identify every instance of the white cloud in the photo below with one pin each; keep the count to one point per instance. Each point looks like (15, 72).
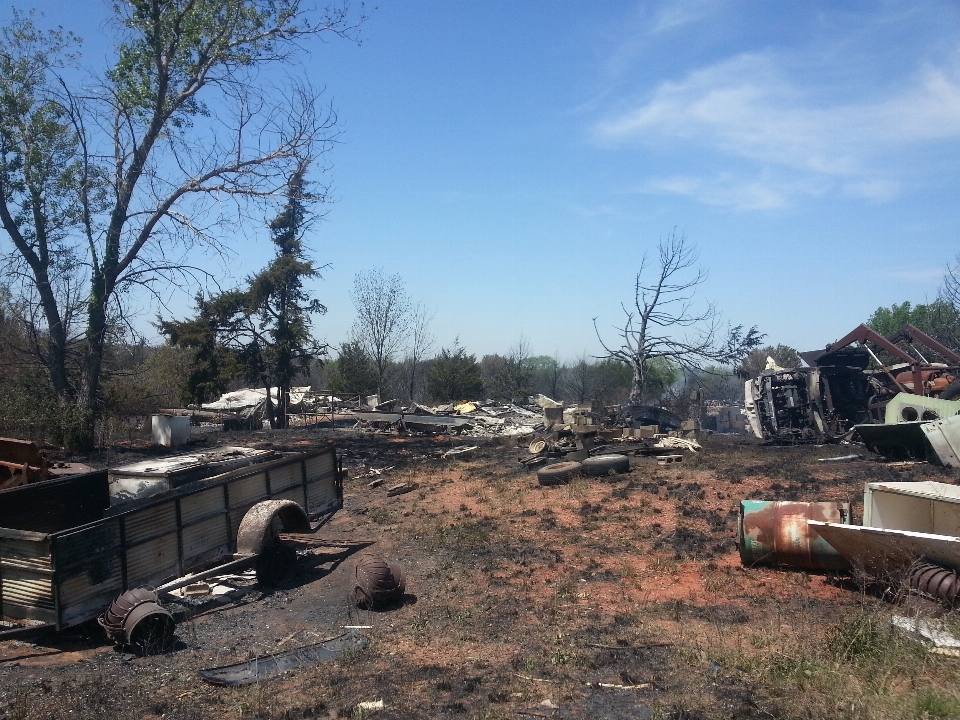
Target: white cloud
(727, 190)
(673, 15)
(747, 108)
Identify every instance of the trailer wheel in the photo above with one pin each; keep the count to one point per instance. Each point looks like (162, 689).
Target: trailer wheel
(259, 534)
(275, 564)
(264, 522)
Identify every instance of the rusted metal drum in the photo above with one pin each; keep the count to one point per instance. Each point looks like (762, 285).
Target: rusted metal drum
(378, 582)
(136, 620)
(776, 533)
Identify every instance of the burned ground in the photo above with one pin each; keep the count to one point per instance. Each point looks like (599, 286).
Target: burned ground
(595, 599)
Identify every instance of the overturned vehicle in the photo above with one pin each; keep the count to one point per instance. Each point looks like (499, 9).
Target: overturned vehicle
(823, 401)
(811, 404)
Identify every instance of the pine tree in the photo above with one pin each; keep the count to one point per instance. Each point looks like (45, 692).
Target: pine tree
(284, 308)
(267, 328)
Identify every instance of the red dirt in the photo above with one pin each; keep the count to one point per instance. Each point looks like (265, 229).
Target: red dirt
(592, 582)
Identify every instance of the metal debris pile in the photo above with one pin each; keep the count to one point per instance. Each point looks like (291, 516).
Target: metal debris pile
(848, 386)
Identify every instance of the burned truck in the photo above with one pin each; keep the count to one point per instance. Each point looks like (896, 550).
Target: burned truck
(811, 404)
(843, 385)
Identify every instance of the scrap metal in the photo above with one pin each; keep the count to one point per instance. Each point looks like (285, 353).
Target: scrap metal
(265, 667)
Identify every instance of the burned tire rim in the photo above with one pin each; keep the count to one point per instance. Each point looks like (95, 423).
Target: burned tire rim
(558, 473)
(153, 632)
(605, 464)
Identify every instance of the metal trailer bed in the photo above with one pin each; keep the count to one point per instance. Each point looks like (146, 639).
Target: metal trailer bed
(65, 554)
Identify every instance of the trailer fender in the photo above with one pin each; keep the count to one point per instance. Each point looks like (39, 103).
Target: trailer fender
(263, 523)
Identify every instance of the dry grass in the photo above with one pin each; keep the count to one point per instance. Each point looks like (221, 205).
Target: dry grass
(526, 593)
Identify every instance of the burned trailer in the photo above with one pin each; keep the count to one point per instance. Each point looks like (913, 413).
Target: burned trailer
(820, 403)
(68, 549)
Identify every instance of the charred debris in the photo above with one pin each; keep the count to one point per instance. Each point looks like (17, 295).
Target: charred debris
(851, 384)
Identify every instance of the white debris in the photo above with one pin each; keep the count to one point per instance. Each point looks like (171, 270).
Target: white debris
(679, 443)
(936, 631)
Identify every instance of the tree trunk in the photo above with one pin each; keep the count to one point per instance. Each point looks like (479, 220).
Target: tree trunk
(89, 392)
(268, 409)
(637, 386)
(283, 396)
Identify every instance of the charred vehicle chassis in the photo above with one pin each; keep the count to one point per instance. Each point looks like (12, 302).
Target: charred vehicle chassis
(824, 401)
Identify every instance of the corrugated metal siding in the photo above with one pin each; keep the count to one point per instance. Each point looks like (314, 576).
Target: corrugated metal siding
(31, 554)
(26, 583)
(27, 594)
(204, 538)
(153, 561)
(319, 465)
(285, 476)
(248, 490)
(89, 571)
(193, 507)
(76, 548)
(295, 494)
(321, 496)
(85, 593)
(151, 521)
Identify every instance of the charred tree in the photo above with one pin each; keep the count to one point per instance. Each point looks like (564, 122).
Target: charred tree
(662, 322)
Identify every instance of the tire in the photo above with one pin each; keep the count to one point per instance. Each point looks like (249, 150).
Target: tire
(605, 464)
(951, 391)
(275, 563)
(558, 473)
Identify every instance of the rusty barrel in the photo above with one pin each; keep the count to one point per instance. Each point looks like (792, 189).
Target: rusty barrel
(773, 532)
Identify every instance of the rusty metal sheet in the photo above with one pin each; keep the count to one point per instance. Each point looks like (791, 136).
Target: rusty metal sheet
(20, 452)
(777, 533)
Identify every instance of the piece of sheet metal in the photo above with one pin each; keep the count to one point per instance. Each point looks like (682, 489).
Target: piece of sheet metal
(268, 666)
(902, 441)
(879, 550)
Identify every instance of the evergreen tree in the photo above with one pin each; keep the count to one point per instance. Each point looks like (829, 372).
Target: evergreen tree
(284, 344)
(455, 375)
(353, 371)
(264, 332)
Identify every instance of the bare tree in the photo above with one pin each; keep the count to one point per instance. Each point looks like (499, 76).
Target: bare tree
(383, 318)
(579, 380)
(179, 145)
(421, 342)
(663, 303)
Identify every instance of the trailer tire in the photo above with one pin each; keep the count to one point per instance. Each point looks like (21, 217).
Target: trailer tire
(264, 522)
(606, 464)
(558, 473)
(275, 563)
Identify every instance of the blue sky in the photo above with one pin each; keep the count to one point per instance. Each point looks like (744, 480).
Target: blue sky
(513, 161)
